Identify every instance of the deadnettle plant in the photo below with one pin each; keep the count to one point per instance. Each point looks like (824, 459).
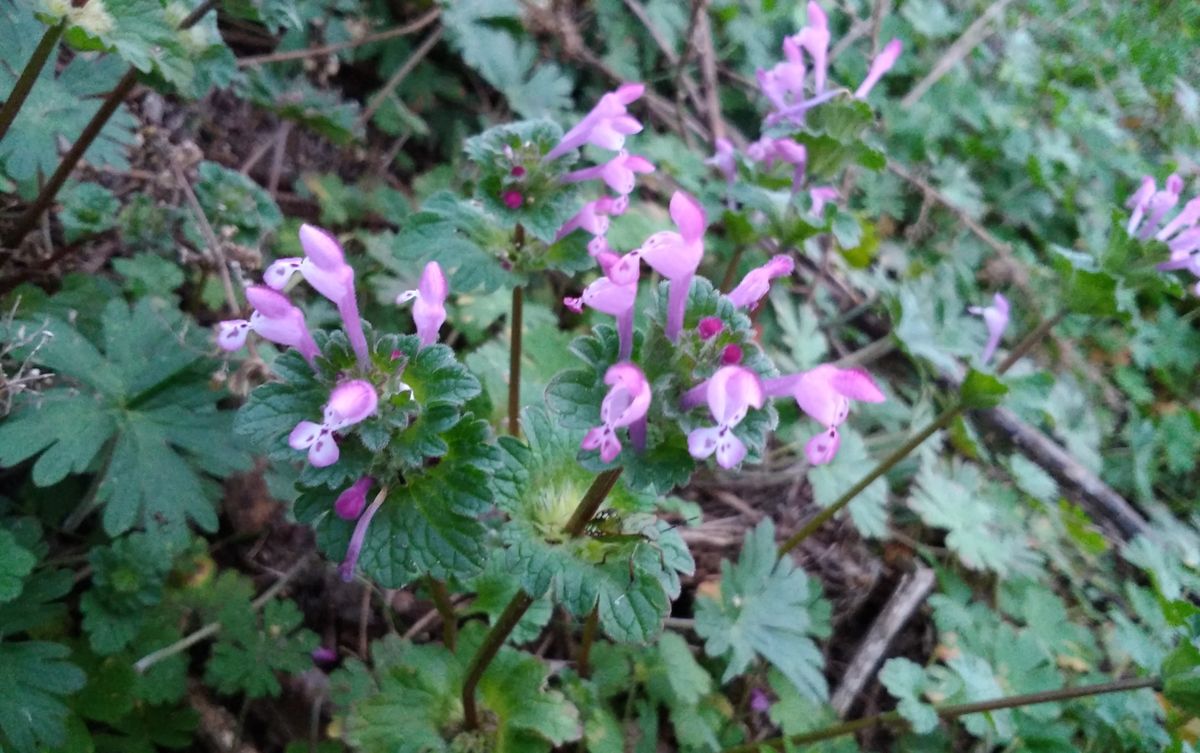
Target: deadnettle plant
(1149, 207)
(349, 403)
(429, 303)
(824, 393)
(729, 393)
(995, 317)
(625, 405)
(274, 319)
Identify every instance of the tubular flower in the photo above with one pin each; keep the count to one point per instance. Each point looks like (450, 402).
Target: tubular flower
(620, 172)
(996, 319)
(594, 216)
(757, 283)
(274, 319)
(429, 308)
(882, 63)
(783, 84)
(730, 393)
(767, 150)
(724, 159)
(676, 255)
(324, 267)
(814, 39)
(626, 404)
(1185, 220)
(1150, 205)
(615, 299)
(346, 569)
(822, 195)
(349, 403)
(350, 503)
(824, 393)
(607, 125)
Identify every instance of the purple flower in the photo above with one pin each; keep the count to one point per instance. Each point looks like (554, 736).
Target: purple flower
(783, 84)
(274, 319)
(429, 308)
(759, 700)
(626, 404)
(814, 39)
(822, 195)
(326, 270)
(620, 172)
(593, 216)
(757, 283)
(1152, 205)
(767, 151)
(1185, 220)
(730, 393)
(354, 549)
(676, 255)
(882, 63)
(324, 655)
(824, 393)
(350, 503)
(615, 299)
(606, 125)
(996, 319)
(349, 403)
(512, 199)
(724, 159)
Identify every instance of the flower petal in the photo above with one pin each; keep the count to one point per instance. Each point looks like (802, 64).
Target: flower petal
(821, 448)
(730, 450)
(857, 384)
(688, 215)
(321, 247)
(703, 442)
(281, 271)
(304, 435)
(231, 335)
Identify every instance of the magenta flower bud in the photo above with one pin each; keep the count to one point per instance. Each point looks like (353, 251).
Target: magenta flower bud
(824, 393)
(730, 394)
(429, 308)
(996, 319)
(731, 355)
(676, 255)
(517, 171)
(325, 269)
(882, 63)
(512, 199)
(607, 125)
(346, 569)
(625, 405)
(709, 327)
(757, 283)
(350, 503)
(620, 172)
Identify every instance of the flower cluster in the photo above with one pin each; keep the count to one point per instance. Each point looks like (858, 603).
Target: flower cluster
(1149, 206)
(785, 86)
(733, 389)
(355, 397)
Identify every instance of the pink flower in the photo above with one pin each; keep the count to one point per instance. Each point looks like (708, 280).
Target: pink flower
(676, 255)
(768, 150)
(996, 319)
(354, 549)
(822, 195)
(824, 393)
(1152, 205)
(724, 159)
(620, 172)
(625, 405)
(730, 394)
(593, 216)
(882, 63)
(783, 84)
(607, 125)
(350, 503)
(1185, 220)
(325, 269)
(274, 319)
(757, 283)
(429, 309)
(814, 39)
(615, 299)
(349, 403)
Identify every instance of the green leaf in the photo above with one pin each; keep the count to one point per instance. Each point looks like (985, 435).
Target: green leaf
(147, 274)
(88, 209)
(1086, 288)
(905, 680)
(16, 562)
(767, 608)
(981, 390)
(246, 660)
(237, 207)
(295, 98)
(34, 675)
(1181, 678)
(58, 106)
(141, 34)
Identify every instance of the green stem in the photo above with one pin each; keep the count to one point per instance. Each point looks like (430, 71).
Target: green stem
(941, 421)
(508, 619)
(950, 712)
(582, 663)
(29, 219)
(33, 68)
(441, 601)
(514, 361)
